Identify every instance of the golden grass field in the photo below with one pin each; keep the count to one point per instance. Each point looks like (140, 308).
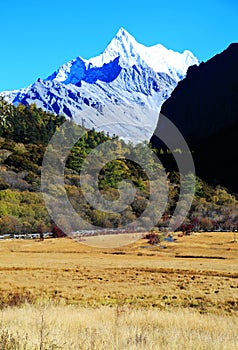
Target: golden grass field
(116, 328)
(67, 295)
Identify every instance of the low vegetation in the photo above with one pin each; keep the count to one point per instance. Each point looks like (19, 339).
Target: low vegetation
(47, 326)
(61, 294)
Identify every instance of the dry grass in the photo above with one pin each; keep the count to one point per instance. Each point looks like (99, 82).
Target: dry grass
(71, 327)
(67, 295)
(111, 240)
(138, 275)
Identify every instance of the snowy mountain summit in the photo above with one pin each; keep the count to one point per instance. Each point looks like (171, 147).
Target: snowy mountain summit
(120, 91)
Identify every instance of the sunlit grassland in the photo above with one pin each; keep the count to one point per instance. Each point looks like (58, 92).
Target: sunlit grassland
(60, 294)
(71, 327)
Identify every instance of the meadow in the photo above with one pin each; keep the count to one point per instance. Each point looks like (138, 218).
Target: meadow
(62, 294)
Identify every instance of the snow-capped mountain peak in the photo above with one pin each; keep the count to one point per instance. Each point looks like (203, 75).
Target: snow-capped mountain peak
(119, 91)
(123, 45)
(130, 53)
(123, 37)
(157, 57)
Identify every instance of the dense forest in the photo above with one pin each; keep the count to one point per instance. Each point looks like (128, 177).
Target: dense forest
(25, 132)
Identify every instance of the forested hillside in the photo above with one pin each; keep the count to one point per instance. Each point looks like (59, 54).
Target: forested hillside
(24, 135)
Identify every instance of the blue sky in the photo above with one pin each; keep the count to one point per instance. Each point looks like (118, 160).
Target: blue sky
(38, 36)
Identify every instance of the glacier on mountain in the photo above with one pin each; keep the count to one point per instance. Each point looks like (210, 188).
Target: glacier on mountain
(120, 91)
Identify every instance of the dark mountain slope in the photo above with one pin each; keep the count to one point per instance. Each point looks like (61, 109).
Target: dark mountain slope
(204, 107)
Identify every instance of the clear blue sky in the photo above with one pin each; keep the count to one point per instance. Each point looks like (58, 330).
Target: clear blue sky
(38, 36)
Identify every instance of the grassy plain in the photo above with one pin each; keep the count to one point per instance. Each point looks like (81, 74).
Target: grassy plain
(181, 295)
(70, 327)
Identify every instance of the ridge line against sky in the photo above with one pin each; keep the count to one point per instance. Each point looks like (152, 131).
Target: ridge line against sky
(38, 37)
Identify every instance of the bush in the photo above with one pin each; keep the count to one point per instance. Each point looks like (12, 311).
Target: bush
(153, 238)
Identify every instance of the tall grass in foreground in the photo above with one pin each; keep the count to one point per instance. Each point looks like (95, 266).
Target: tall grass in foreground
(119, 328)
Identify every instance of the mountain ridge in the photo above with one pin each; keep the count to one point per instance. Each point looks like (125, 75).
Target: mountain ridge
(124, 86)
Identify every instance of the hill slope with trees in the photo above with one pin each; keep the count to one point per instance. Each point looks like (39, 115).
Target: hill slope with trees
(25, 133)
